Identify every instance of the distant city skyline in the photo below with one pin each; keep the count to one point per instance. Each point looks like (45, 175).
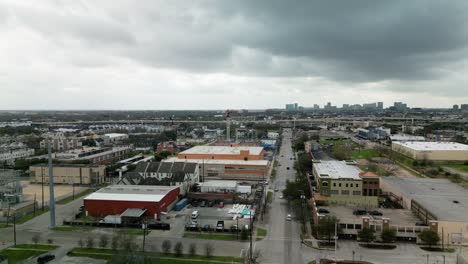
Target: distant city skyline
(216, 55)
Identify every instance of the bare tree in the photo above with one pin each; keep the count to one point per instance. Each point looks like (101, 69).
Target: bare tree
(178, 249)
(90, 242)
(81, 243)
(103, 241)
(209, 250)
(35, 239)
(115, 242)
(166, 246)
(193, 249)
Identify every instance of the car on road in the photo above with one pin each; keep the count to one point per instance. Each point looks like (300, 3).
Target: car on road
(281, 196)
(289, 217)
(45, 258)
(375, 213)
(276, 189)
(323, 211)
(160, 226)
(287, 168)
(360, 212)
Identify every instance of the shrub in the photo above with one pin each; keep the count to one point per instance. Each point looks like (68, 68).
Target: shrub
(35, 239)
(81, 243)
(429, 237)
(366, 235)
(388, 235)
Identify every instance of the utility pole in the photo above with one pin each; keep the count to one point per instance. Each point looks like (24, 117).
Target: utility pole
(144, 234)
(42, 186)
(51, 188)
(14, 228)
(251, 228)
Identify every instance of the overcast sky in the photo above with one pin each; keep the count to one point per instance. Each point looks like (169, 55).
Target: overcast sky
(231, 54)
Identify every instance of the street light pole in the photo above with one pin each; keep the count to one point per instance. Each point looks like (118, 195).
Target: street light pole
(250, 257)
(51, 187)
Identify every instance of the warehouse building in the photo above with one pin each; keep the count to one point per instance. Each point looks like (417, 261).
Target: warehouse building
(223, 153)
(69, 173)
(116, 199)
(437, 151)
(441, 204)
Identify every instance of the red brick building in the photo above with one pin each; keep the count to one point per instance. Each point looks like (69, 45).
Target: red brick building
(115, 199)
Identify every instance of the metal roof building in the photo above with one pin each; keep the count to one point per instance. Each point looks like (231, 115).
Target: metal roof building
(116, 199)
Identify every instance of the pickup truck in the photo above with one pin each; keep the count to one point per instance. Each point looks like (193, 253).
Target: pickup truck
(220, 226)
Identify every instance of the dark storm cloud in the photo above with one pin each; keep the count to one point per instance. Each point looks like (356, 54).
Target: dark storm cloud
(347, 40)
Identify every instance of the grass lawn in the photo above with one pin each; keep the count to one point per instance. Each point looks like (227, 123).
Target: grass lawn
(364, 154)
(38, 246)
(2, 225)
(261, 233)
(154, 257)
(22, 252)
(72, 228)
(269, 197)
(460, 167)
(214, 236)
(138, 232)
(78, 195)
(30, 216)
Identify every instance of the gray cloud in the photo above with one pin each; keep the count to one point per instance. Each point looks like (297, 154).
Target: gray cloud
(407, 46)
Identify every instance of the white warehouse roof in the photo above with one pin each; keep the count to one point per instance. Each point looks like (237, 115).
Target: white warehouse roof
(405, 137)
(219, 184)
(217, 161)
(334, 169)
(133, 193)
(433, 146)
(222, 150)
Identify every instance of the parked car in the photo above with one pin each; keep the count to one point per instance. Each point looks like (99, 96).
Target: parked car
(45, 258)
(281, 196)
(323, 211)
(220, 226)
(287, 168)
(375, 213)
(160, 226)
(289, 217)
(360, 212)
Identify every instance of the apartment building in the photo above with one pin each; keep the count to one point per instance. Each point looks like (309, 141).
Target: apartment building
(9, 153)
(60, 142)
(94, 155)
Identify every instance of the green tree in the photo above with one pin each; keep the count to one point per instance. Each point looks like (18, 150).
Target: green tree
(342, 152)
(326, 227)
(429, 237)
(367, 235)
(164, 154)
(388, 235)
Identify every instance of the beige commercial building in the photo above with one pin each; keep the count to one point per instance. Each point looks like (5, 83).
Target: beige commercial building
(443, 151)
(69, 173)
(441, 204)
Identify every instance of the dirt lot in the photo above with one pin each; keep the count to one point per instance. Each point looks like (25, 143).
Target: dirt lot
(60, 191)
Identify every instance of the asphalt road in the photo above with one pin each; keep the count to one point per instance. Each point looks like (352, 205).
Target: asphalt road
(282, 244)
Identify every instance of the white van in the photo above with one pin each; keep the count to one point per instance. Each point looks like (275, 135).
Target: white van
(194, 214)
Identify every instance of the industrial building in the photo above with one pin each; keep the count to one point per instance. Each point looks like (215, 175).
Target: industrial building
(69, 173)
(223, 153)
(116, 199)
(438, 202)
(114, 137)
(343, 182)
(373, 133)
(437, 151)
(215, 186)
(406, 137)
(224, 169)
